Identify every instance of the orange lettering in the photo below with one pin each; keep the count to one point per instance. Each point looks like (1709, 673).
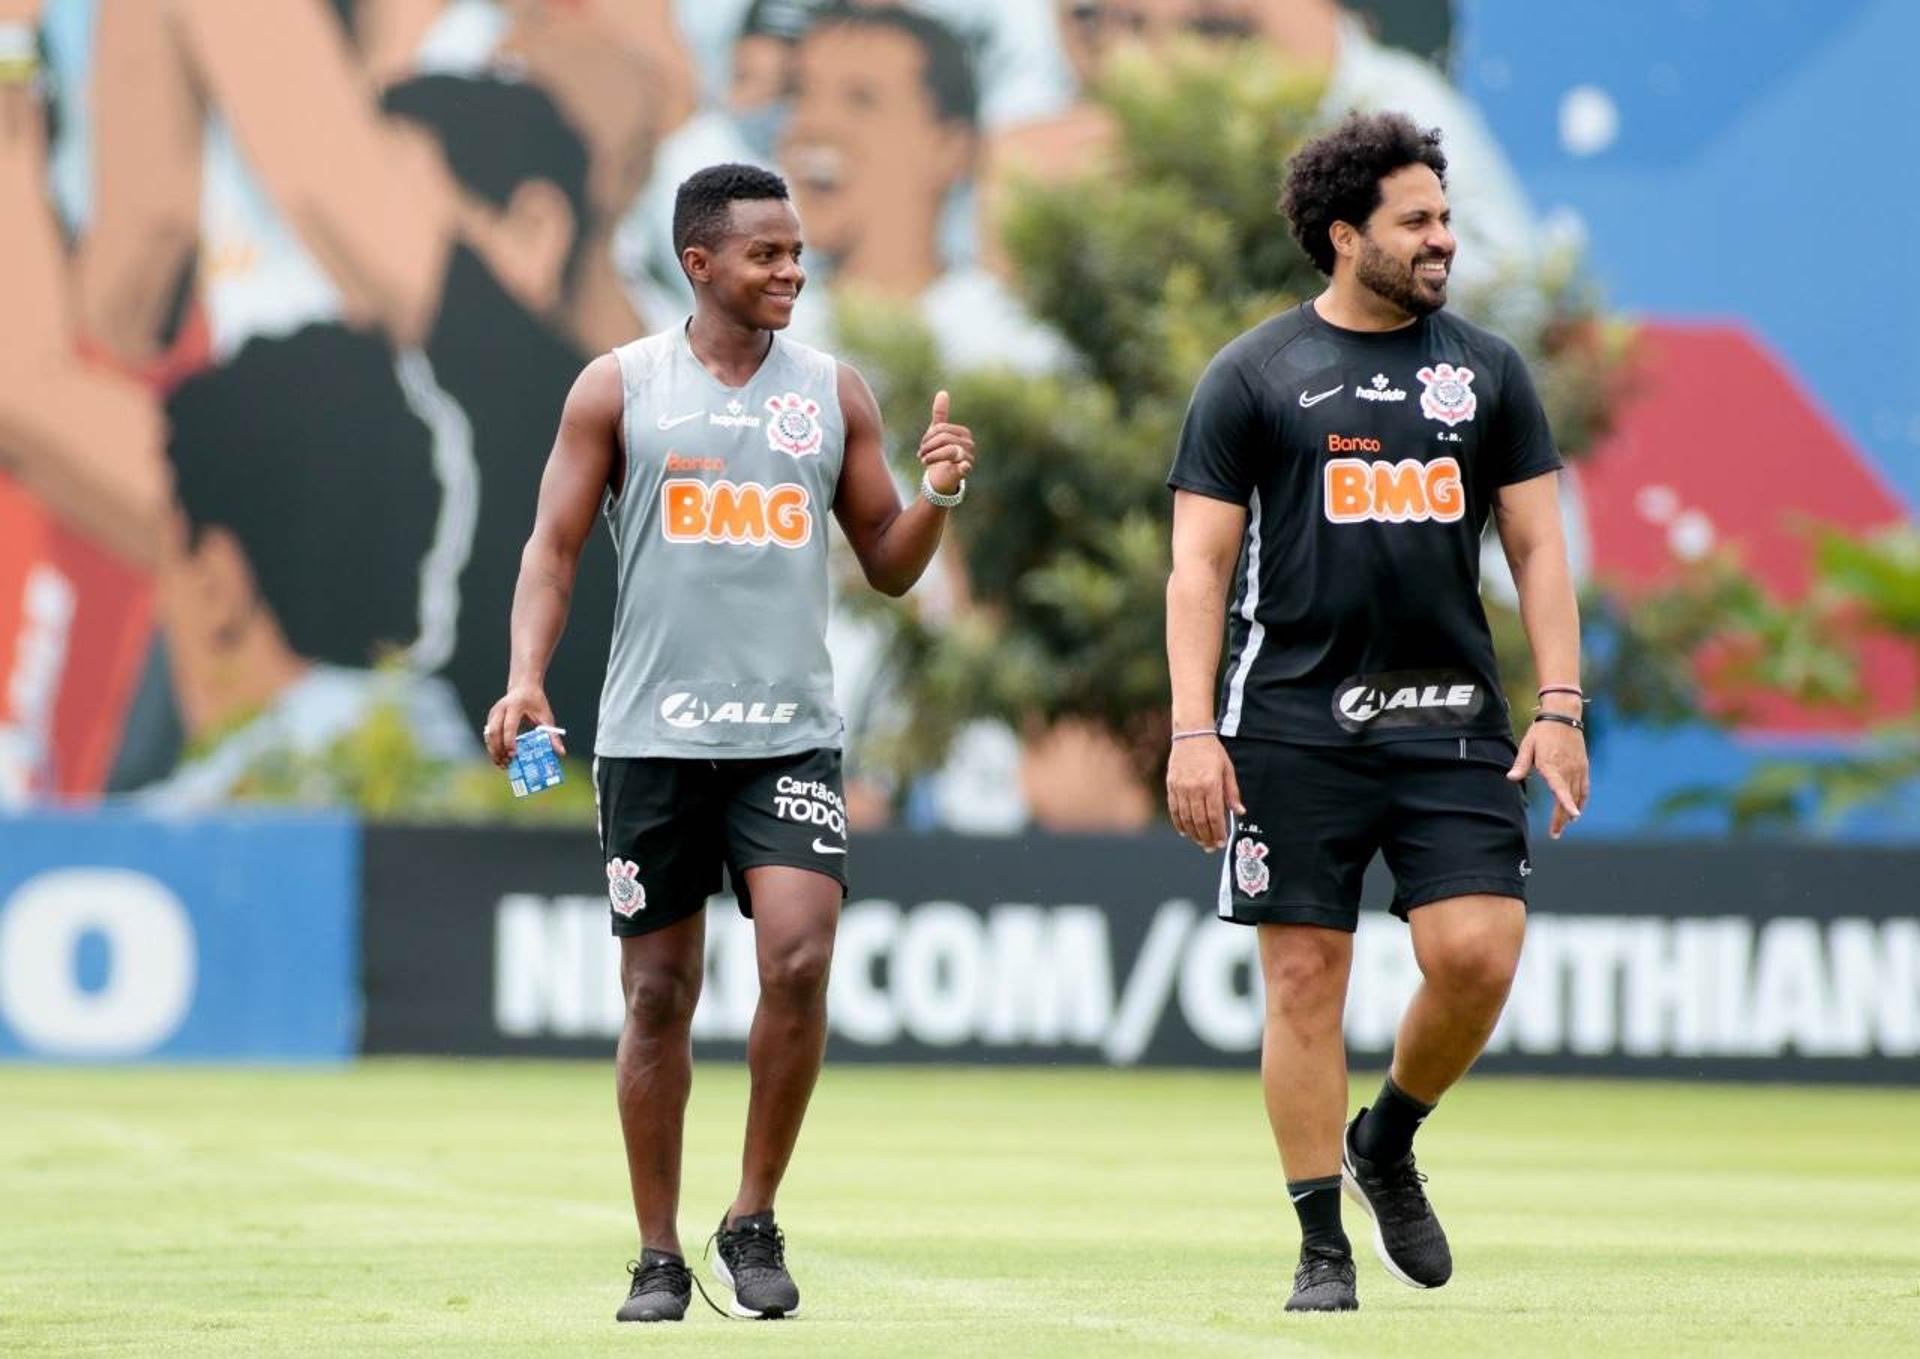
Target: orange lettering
(787, 517)
(1444, 492)
(1398, 491)
(748, 514)
(1392, 493)
(1347, 499)
(683, 509)
(737, 514)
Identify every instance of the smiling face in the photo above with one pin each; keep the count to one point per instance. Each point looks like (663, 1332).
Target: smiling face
(753, 273)
(866, 139)
(1404, 252)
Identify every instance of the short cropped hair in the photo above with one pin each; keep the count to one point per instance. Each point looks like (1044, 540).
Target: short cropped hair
(701, 207)
(1336, 176)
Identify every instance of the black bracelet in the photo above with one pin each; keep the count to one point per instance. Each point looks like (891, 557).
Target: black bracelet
(1573, 722)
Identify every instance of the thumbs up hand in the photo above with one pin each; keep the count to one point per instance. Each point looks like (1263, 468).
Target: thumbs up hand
(946, 449)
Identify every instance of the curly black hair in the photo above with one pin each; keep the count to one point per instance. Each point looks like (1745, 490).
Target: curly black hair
(701, 207)
(1336, 176)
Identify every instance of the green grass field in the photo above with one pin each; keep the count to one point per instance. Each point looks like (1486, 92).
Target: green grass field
(479, 1208)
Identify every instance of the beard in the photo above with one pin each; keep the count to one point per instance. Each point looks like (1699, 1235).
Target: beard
(1395, 282)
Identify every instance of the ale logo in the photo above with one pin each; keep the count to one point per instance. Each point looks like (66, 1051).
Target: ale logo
(1363, 703)
(688, 710)
(1408, 698)
(743, 515)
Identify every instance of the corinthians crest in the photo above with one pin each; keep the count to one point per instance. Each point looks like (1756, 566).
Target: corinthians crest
(624, 891)
(1448, 393)
(795, 424)
(1250, 872)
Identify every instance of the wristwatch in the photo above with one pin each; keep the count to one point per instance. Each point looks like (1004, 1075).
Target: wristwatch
(940, 498)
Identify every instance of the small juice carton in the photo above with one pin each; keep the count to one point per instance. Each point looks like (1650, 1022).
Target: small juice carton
(535, 766)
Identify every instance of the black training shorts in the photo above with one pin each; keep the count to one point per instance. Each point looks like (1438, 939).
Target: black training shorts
(667, 827)
(1442, 811)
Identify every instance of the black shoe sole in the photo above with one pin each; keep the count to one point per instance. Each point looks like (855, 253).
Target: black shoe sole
(647, 1320)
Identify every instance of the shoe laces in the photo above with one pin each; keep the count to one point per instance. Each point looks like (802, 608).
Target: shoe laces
(664, 1274)
(1319, 1265)
(668, 1274)
(1402, 1198)
(752, 1247)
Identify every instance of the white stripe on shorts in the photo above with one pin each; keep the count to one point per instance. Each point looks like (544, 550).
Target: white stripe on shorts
(1225, 907)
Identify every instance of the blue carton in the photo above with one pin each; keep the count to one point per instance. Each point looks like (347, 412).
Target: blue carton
(535, 766)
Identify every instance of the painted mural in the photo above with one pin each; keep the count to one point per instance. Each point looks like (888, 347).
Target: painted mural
(295, 289)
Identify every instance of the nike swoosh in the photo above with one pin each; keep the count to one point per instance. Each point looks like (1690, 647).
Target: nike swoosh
(1297, 1197)
(822, 847)
(665, 423)
(1306, 400)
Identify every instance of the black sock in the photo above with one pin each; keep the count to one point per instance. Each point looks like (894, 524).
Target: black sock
(1385, 1133)
(1318, 1204)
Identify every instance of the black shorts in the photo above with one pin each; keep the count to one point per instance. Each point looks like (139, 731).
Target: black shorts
(1442, 811)
(667, 827)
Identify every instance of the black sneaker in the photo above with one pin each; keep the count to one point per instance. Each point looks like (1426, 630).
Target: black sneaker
(1406, 1235)
(752, 1261)
(1323, 1282)
(662, 1287)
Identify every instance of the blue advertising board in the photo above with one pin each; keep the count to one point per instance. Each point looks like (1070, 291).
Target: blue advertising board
(125, 937)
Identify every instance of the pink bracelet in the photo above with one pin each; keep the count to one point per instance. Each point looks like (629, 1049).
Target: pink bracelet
(1197, 731)
(1573, 689)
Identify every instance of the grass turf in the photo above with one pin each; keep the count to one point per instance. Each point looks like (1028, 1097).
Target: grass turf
(405, 1207)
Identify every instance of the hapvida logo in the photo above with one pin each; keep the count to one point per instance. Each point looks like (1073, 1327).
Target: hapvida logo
(1380, 390)
(735, 418)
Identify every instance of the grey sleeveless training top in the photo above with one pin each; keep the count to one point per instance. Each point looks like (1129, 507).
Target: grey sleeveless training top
(720, 531)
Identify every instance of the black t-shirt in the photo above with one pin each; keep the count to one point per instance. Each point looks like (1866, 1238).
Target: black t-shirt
(1368, 463)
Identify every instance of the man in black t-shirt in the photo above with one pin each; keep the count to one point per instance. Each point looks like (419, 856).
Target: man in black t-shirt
(1338, 465)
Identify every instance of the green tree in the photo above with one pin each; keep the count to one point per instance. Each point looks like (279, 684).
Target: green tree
(1715, 627)
(1146, 265)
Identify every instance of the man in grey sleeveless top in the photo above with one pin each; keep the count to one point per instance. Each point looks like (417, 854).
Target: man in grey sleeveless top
(715, 450)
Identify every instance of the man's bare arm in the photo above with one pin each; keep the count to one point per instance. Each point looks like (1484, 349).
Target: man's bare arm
(894, 544)
(1527, 514)
(579, 470)
(1201, 787)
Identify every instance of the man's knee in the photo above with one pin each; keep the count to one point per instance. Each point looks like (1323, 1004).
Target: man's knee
(1305, 972)
(1478, 955)
(660, 998)
(795, 973)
